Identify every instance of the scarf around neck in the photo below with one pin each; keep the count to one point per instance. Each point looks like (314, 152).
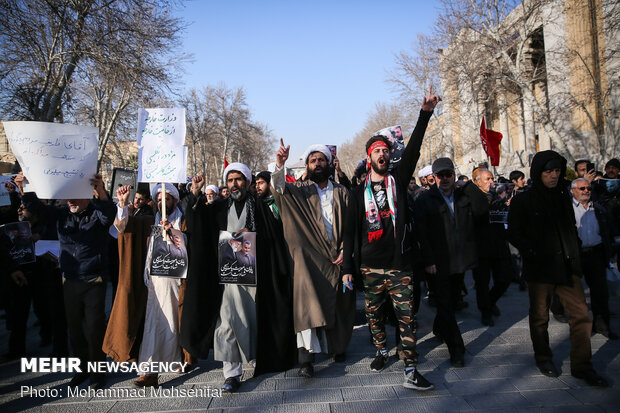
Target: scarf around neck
(375, 229)
(250, 203)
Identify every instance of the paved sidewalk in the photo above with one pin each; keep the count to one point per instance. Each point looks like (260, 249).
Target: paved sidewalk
(499, 376)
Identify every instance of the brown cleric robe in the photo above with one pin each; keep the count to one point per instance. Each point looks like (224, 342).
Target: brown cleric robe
(126, 323)
(318, 300)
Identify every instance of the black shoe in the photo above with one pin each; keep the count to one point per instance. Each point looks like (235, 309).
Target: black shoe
(416, 381)
(78, 379)
(548, 369)
(340, 358)
(231, 385)
(97, 381)
(487, 320)
(306, 370)
(590, 377)
(495, 311)
(457, 360)
(560, 317)
(379, 362)
(600, 326)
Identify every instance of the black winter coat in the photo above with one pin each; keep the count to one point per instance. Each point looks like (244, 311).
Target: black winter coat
(541, 225)
(447, 242)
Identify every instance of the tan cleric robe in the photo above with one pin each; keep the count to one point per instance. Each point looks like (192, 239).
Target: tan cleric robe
(124, 332)
(318, 300)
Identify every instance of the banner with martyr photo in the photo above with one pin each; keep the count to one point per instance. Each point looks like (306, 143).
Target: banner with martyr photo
(395, 135)
(167, 258)
(237, 258)
(20, 235)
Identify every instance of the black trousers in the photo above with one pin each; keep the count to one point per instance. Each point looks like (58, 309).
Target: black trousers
(447, 290)
(497, 267)
(84, 304)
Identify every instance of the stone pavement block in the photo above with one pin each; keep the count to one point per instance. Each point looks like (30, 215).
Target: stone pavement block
(313, 396)
(538, 383)
(212, 376)
(489, 372)
(99, 407)
(442, 375)
(502, 360)
(381, 379)
(252, 399)
(257, 384)
(483, 386)
(420, 405)
(317, 383)
(592, 395)
(439, 390)
(368, 393)
(498, 401)
(544, 398)
(302, 408)
(161, 404)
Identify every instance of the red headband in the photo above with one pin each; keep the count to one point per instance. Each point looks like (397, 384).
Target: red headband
(378, 144)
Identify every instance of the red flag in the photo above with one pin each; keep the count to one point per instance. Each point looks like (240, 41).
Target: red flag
(490, 143)
(225, 163)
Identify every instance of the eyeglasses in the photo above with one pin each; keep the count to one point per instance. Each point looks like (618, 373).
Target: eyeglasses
(585, 188)
(441, 175)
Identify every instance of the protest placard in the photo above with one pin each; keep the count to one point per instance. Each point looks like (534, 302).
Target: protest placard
(58, 159)
(237, 258)
(167, 255)
(161, 125)
(20, 235)
(162, 163)
(5, 198)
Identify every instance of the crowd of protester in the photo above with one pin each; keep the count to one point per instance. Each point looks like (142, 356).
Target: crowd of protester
(319, 238)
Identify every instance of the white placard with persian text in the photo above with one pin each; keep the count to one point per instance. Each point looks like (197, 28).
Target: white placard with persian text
(58, 159)
(162, 163)
(161, 125)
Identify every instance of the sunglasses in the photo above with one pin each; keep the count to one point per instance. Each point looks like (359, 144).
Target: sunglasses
(444, 174)
(584, 188)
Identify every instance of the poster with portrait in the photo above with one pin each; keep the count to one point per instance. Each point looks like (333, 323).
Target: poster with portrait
(167, 257)
(237, 258)
(21, 237)
(395, 136)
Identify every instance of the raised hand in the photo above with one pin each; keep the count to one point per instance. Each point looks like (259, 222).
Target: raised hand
(98, 189)
(430, 101)
(198, 182)
(19, 181)
(282, 154)
(122, 193)
(337, 165)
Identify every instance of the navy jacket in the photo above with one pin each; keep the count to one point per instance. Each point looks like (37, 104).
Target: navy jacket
(83, 238)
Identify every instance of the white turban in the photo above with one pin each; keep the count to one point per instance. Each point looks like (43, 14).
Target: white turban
(213, 188)
(239, 167)
(170, 189)
(426, 171)
(318, 148)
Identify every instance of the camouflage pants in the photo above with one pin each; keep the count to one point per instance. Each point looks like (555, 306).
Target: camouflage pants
(379, 287)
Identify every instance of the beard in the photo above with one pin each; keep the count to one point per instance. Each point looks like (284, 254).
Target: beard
(237, 196)
(319, 176)
(380, 168)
